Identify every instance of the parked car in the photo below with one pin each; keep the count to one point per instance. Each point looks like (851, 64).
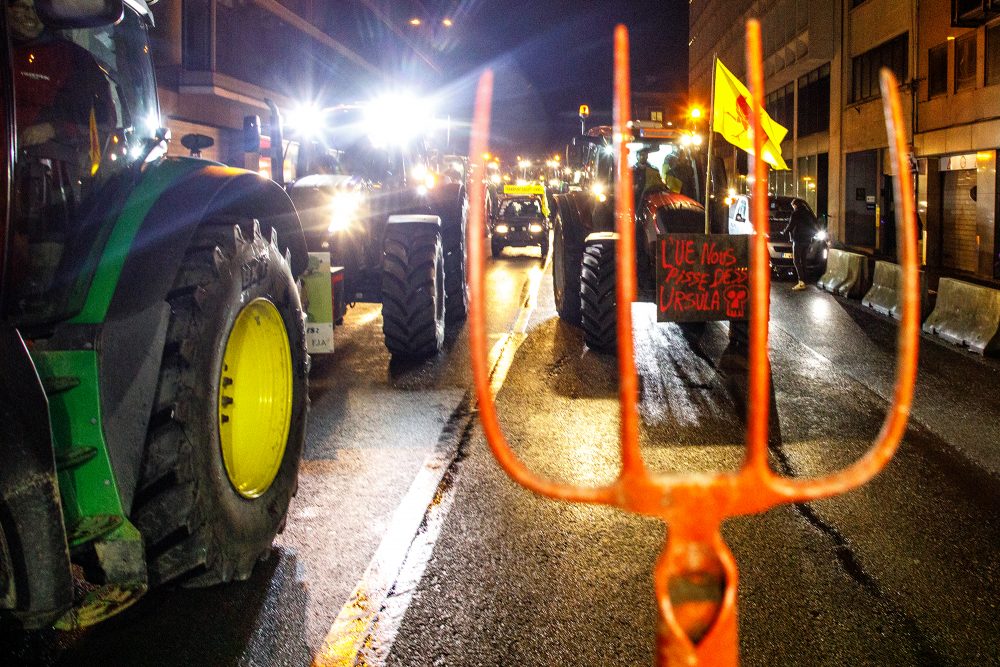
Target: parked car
(779, 245)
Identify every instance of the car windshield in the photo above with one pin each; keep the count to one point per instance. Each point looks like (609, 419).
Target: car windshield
(520, 208)
(85, 107)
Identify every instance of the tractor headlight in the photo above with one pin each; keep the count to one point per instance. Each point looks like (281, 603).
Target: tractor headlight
(821, 235)
(535, 228)
(501, 229)
(599, 191)
(344, 208)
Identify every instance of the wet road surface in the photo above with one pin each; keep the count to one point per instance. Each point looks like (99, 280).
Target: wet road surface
(407, 545)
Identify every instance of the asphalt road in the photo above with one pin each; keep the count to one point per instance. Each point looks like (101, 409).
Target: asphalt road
(407, 545)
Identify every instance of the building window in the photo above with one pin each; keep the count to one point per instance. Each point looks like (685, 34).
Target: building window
(780, 105)
(893, 54)
(965, 62)
(656, 116)
(197, 35)
(937, 70)
(814, 101)
(993, 55)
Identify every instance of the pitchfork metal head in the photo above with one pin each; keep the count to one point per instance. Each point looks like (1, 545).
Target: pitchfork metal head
(695, 577)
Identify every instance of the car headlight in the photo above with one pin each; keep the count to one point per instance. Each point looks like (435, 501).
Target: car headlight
(501, 229)
(535, 228)
(343, 210)
(821, 235)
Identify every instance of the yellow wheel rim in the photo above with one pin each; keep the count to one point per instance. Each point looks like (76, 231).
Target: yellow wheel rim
(255, 398)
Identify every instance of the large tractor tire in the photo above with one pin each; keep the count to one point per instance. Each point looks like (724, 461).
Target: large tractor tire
(224, 445)
(413, 295)
(454, 215)
(567, 258)
(599, 316)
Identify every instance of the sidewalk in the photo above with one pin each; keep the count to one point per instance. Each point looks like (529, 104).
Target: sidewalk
(957, 395)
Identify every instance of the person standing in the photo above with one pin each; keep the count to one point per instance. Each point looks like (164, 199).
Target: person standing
(801, 228)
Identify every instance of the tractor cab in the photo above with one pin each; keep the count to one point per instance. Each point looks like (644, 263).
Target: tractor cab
(84, 117)
(661, 159)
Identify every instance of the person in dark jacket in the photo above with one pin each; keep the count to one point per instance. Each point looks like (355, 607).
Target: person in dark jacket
(801, 228)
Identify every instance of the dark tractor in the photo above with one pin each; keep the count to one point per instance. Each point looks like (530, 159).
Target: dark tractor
(667, 205)
(153, 369)
(395, 226)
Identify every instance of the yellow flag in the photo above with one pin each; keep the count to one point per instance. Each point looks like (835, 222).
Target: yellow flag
(731, 117)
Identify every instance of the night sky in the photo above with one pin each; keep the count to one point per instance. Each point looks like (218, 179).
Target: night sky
(550, 56)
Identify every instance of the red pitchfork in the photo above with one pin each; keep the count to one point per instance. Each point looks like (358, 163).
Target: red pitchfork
(698, 628)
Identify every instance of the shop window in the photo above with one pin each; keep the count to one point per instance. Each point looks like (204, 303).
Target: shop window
(893, 54)
(965, 62)
(937, 70)
(993, 55)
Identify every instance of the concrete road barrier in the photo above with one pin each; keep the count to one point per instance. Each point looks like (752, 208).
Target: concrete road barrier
(846, 274)
(883, 297)
(886, 291)
(967, 315)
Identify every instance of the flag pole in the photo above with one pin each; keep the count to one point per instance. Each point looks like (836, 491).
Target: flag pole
(708, 157)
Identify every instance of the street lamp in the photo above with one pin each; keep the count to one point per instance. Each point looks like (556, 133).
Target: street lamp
(447, 23)
(415, 21)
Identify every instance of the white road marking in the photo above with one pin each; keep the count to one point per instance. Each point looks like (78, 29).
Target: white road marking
(366, 627)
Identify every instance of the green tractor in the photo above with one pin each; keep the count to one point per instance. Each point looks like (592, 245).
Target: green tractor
(153, 366)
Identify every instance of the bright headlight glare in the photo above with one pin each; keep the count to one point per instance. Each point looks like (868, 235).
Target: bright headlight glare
(821, 235)
(343, 209)
(597, 189)
(501, 229)
(535, 228)
(396, 119)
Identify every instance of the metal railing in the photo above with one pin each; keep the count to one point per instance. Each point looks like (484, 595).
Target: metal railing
(695, 578)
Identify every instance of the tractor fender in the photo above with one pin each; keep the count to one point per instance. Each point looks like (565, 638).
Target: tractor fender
(670, 213)
(36, 585)
(131, 338)
(578, 207)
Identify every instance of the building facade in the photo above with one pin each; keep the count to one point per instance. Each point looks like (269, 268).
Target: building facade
(822, 63)
(958, 133)
(800, 44)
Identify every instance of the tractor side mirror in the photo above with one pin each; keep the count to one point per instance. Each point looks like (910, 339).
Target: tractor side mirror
(74, 14)
(196, 143)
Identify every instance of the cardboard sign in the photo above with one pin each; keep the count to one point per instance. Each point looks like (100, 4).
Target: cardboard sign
(700, 278)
